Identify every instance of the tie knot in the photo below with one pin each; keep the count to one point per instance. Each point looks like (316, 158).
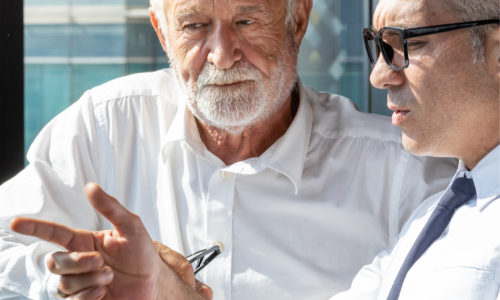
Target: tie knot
(460, 192)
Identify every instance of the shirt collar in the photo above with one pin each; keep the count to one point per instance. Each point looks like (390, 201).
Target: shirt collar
(486, 176)
(287, 157)
(290, 156)
(184, 128)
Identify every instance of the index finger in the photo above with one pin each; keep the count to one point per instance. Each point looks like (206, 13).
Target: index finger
(68, 238)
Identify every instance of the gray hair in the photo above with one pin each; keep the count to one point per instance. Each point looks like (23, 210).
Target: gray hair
(158, 7)
(475, 10)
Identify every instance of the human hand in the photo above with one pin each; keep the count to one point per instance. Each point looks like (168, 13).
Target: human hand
(114, 264)
(183, 268)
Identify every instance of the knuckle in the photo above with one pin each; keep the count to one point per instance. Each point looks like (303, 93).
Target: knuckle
(51, 264)
(65, 285)
(92, 261)
(136, 219)
(186, 268)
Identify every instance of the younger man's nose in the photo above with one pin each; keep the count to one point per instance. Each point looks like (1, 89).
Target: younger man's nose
(224, 47)
(383, 77)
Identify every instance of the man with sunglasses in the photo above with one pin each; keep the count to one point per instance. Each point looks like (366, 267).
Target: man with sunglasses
(440, 62)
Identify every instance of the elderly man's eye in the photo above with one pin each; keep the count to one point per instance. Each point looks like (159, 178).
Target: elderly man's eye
(195, 26)
(245, 22)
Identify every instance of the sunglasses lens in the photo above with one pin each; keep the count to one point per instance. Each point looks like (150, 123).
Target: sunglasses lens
(393, 48)
(372, 49)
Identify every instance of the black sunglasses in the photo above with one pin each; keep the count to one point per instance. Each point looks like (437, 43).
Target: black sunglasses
(394, 39)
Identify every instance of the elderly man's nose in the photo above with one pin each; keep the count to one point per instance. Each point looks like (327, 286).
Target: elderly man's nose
(224, 48)
(383, 77)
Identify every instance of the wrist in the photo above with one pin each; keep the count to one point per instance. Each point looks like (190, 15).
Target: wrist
(165, 283)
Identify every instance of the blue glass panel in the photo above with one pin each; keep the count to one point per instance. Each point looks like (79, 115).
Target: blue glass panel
(46, 40)
(331, 56)
(141, 40)
(99, 2)
(138, 2)
(46, 95)
(160, 66)
(352, 17)
(55, 90)
(32, 103)
(158, 49)
(139, 68)
(351, 83)
(86, 77)
(99, 40)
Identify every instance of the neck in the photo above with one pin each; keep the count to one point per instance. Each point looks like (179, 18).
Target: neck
(253, 141)
(473, 160)
(483, 142)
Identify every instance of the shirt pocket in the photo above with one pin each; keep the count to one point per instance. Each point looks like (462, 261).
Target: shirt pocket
(462, 282)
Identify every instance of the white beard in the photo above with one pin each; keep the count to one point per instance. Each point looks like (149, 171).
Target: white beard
(232, 109)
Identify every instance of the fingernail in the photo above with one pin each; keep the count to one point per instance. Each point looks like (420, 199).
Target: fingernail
(98, 292)
(108, 274)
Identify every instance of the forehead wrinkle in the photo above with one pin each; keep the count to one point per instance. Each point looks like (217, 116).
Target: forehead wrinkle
(398, 13)
(244, 9)
(188, 9)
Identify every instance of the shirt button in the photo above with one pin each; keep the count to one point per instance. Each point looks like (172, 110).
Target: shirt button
(221, 246)
(224, 174)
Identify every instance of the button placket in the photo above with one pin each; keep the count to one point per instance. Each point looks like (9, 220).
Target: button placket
(219, 230)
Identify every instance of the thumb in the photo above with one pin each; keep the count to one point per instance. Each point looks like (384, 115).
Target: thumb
(204, 290)
(123, 220)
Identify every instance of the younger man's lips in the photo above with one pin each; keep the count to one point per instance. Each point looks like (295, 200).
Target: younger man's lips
(398, 116)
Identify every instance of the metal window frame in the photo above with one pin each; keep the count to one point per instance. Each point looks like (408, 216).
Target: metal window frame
(11, 88)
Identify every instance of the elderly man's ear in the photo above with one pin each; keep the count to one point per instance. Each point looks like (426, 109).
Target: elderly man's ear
(301, 17)
(156, 26)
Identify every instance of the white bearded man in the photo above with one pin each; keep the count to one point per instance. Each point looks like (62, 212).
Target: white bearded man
(227, 146)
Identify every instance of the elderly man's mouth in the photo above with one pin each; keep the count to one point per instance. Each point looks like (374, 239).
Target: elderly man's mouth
(230, 85)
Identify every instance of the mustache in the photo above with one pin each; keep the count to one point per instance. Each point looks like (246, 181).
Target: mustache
(400, 97)
(240, 71)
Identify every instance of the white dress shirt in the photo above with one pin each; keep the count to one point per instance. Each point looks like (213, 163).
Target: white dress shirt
(462, 264)
(298, 222)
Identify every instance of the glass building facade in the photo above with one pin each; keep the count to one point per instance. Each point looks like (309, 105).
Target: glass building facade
(74, 45)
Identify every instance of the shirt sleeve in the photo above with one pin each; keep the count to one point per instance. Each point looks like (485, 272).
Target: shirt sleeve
(367, 283)
(62, 159)
(423, 177)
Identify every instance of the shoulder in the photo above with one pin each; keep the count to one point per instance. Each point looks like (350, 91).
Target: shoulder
(160, 85)
(338, 117)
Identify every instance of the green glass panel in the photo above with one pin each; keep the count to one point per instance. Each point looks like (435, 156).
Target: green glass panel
(55, 91)
(351, 83)
(86, 77)
(32, 103)
(139, 68)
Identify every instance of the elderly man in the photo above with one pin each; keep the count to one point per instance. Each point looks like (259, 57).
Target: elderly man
(227, 146)
(446, 101)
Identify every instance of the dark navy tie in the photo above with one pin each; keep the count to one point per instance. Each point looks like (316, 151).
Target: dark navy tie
(460, 192)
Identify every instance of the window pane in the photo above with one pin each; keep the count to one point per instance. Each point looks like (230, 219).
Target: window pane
(72, 46)
(98, 40)
(331, 57)
(46, 40)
